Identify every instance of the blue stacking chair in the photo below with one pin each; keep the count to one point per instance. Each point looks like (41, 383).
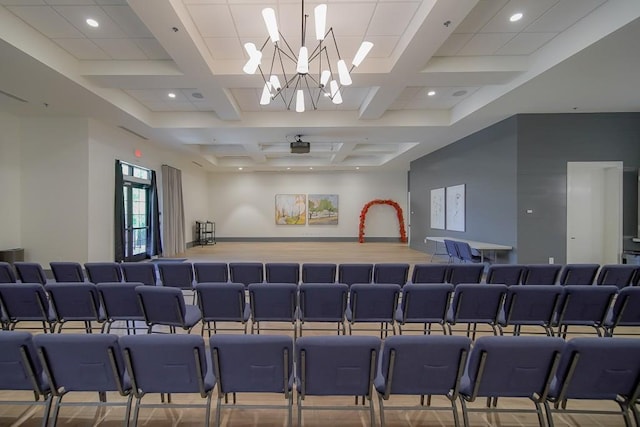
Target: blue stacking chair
(26, 302)
(246, 272)
(452, 251)
(476, 303)
(177, 275)
(20, 369)
(351, 273)
(530, 306)
(30, 272)
(99, 272)
(625, 311)
(84, 363)
(211, 272)
(273, 302)
(168, 363)
(424, 303)
(430, 273)
(222, 302)
(7, 274)
(336, 366)
(397, 273)
(67, 271)
(510, 366)
(421, 365)
(323, 302)
(620, 275)
(282, 272)
(166, 307)
(373, 303)
(466, 253)
(318, 273)
(465, 273)
(506, 274)
(76, 302)
(253, 364)
(140, 272)
(585, 306)
(541, 274)
(119, 302)
(578, 274)
(597, 369)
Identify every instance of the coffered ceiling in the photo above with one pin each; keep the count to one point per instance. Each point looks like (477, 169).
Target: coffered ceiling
(439, 70)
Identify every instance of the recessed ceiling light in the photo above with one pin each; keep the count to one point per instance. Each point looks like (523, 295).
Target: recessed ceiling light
(357, 167)
(240, 169)
(516, 17)
(92, 23)
(171, 95)
(288, 169)
(431, 93)
(310, 168)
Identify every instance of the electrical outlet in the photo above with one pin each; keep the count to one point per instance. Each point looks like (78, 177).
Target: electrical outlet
(551, 260)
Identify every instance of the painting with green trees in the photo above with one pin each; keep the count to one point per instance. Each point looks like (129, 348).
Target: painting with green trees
(323, 209)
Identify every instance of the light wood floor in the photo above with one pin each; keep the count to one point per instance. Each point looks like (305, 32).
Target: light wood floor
(296, 252)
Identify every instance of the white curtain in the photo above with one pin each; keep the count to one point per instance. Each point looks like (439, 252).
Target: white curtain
(173, 212)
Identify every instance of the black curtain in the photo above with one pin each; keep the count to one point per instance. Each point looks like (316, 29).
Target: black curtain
(154, 244)
(118, 227)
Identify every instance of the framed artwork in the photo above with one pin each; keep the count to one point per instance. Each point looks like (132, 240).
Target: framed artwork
(291, 209)
(437, 208)
(323, 209)
(455, 208)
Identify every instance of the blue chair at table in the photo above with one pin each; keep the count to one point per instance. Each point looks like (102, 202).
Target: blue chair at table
(336, 366)
(597, 369)
(168, 363)
(510, 366)
(84, 363)
(20, 370)
(466, 252)
(253, 364)
(452, 251)
(421, 365)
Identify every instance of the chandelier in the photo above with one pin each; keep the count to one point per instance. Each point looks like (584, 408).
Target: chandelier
(301, 83)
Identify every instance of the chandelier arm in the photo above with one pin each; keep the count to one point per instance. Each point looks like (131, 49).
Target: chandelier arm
(313, 104)
(273, 59)
(294, 91)
(264, 44)
(335, 43)
(293, 56)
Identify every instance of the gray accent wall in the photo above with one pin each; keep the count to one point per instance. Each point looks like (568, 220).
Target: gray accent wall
(520, 164)
(486, 163)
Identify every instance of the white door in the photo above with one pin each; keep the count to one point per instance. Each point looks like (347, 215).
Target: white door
(594, 212)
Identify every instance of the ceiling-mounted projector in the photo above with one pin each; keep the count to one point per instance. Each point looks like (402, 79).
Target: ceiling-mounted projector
(299, 146)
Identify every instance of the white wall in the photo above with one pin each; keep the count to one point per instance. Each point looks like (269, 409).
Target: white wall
(54, 188)
(9, 182)
(242, 204)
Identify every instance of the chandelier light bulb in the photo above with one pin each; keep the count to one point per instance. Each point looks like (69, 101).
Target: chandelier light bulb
(269, 16)
(324, 78)
(265, 99)
(362, 53)
(275, 82)
(343, 73)
(303, 61)
(336, 97)
(320, 13)
(255, 57)
(300, 101)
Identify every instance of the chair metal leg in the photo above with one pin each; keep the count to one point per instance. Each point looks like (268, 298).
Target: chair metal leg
(381, 405)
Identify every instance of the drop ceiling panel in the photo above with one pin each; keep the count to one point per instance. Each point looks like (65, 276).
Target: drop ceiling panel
(128, 21)
(383, 46)
(531, 9)
(171, 106)
(120, 49)
(82, 49)
(77, 16)
(480, 15)
(225, 48)
(70, 2)
(349, 19)
(392, 19)
(22, 2)
(152, 49)
(248, 20)
(213, 20)
(453, 44)
(47, 21)
(564, 14)
(525, 43)
(485, 44)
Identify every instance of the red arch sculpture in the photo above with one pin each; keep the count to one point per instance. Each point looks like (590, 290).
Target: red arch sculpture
(396, 206)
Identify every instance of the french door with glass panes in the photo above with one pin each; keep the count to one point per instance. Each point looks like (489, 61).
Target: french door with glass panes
(136, 220)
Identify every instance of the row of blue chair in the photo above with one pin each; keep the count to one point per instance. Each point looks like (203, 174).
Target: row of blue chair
(184, 275)
(546, 371)
(605, 308)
